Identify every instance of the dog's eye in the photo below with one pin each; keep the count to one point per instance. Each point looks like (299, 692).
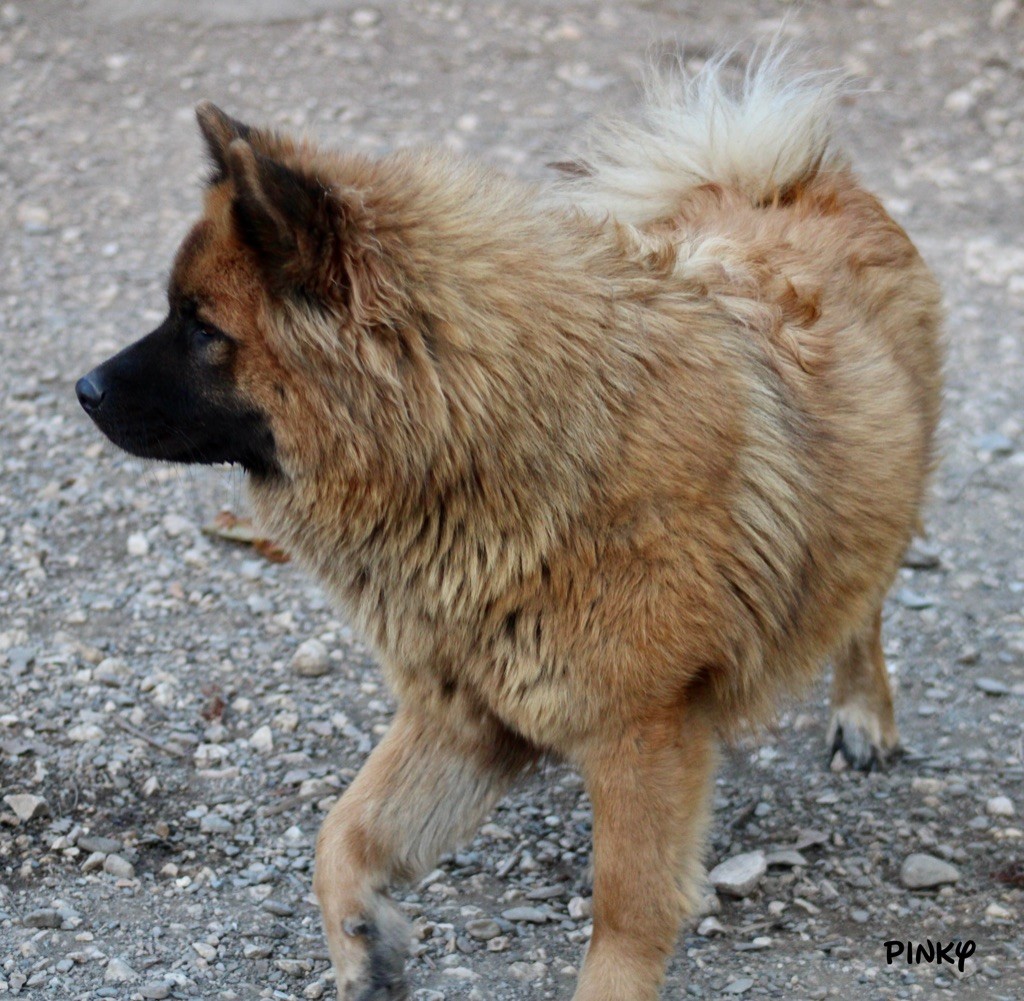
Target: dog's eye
(203, 335)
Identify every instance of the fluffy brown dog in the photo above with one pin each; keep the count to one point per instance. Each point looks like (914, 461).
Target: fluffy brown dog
(600, 472)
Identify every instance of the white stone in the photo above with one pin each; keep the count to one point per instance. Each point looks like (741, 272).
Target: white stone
(739, 875)
(365, 17)
(175, 525)
(84, 732)
(311, 660)
(710, 926)
(997, 912)
(581, 907)
(1002, 14)
(527, 972)
(118, 971)
(94, 861)
(138, 544)
(461, 973)
(262, 740)
(1000, 806)
(26, 806)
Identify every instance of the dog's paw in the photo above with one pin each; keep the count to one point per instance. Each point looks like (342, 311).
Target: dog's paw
(370, 960)
(857, 738)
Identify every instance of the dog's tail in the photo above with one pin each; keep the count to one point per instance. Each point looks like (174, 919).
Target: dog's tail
(762, 138)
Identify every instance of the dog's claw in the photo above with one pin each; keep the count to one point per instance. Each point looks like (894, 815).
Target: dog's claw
(855, 750)
(859, 744)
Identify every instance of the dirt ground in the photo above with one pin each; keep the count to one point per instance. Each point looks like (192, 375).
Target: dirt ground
(147, 696)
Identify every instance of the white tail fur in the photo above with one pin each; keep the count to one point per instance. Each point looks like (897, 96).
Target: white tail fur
(761, 138)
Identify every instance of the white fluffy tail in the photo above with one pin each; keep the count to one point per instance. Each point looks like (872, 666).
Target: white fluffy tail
(760, 138)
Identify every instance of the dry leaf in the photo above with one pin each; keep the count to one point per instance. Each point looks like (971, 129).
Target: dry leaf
(228, 525)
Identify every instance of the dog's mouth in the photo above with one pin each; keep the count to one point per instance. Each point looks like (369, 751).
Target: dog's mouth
(146, 434)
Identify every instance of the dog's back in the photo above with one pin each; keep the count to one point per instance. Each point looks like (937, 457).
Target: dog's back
(797, 334)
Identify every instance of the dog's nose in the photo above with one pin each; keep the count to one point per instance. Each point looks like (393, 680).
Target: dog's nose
(90, 392)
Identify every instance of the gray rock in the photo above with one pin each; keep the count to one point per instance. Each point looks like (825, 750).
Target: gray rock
(911, 599)
(739, 986)
(920, 555)
(990, 686)
(92, 843)
(155, 990)
(788, 857)
(119, 867)
(921, 872)
(483, 929)
(739, 875)
(45, 917)
(529, 914)
(214, 823)
(994, 443)
(277, 907)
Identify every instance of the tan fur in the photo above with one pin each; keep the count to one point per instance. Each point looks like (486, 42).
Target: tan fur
(593, 490)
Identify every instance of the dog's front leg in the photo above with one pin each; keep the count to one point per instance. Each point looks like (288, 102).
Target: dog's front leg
(428, 784)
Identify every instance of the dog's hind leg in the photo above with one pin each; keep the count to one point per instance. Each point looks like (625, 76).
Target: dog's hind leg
(863, 726)
(650, 790)
(426, 785)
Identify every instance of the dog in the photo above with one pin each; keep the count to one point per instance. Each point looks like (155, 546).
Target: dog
(602, 469)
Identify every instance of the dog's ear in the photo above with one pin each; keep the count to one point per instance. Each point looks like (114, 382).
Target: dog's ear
(219, 130)
(288, 218)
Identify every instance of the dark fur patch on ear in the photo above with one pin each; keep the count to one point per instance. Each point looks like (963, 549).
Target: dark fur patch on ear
(219, 130)
(288, 218)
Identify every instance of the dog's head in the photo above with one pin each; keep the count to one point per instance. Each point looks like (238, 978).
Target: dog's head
(274, 294)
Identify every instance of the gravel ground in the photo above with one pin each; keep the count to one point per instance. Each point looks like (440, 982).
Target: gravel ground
(164, 767)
